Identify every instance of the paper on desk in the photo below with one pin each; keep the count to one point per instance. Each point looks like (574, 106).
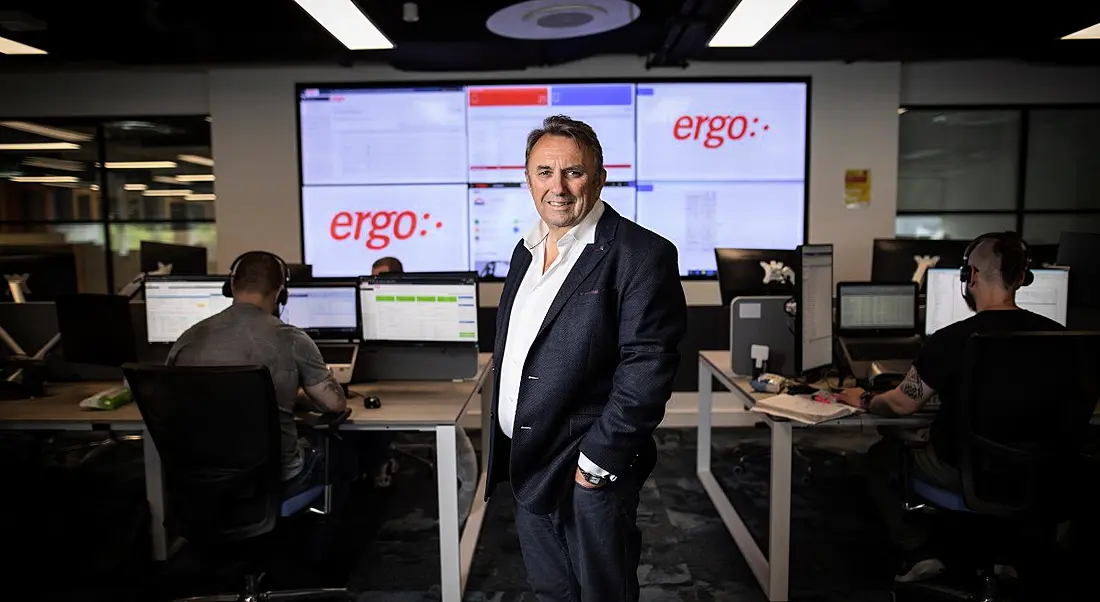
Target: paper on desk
(802, 409)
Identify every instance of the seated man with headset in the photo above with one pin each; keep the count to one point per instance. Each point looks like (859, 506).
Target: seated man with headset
(994, 266)
(250, 332)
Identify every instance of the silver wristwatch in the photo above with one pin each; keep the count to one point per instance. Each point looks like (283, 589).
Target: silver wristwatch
(591, 478)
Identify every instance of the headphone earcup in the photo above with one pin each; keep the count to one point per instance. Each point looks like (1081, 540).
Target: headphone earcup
(1029, 277)
(227, 289)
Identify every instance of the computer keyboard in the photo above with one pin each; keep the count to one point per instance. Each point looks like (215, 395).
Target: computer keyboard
(883, 350)
(337, 354)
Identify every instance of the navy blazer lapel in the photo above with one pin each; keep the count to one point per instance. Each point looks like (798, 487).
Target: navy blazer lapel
(590, 257)
(521, 261)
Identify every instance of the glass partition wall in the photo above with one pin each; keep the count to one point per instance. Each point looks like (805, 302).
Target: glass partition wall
(101, 186)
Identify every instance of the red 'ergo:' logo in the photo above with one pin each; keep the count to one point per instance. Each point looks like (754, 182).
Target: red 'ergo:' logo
(719, 128)
(378, 226)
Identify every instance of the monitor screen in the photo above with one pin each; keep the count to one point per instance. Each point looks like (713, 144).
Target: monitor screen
(869, 306)
(814, 330)
(1046, 296)
(180, 260)
(325, 311)
(174, 304)
(908, 259)
(434, 174)
(755, 272)
(416, 308)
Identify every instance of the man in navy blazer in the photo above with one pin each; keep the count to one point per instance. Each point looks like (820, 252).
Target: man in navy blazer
(588, 327)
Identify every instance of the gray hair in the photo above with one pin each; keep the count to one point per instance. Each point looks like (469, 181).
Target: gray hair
(579, 131)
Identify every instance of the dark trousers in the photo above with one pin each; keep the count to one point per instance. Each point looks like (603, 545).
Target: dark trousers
(908, 530)
(588, 549)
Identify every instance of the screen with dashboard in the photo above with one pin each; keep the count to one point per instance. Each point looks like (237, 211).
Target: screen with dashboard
(434, 174)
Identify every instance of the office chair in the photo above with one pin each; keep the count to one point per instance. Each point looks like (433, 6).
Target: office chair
(1023, 425)
(217, 432)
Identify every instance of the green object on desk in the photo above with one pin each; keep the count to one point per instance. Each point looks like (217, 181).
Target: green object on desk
(116, 401)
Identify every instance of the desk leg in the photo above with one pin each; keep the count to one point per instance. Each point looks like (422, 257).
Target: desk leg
(154, 494)
(706, 413)
(446, 469)
(779, 522)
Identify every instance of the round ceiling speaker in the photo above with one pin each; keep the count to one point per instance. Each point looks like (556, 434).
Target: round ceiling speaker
(560, 19)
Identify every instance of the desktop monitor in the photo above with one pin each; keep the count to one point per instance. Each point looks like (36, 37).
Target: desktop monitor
(325, 310)
(907, 259)
(419, 308)
(1081, 252)
(185, 260)
(813, 337)
(96, 329)
(175, 303)
(755, 272)
(300, 272)
(44, 276)
(1046, 296)
(876, 307)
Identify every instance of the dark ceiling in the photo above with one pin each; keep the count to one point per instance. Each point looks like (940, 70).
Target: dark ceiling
(669, 33)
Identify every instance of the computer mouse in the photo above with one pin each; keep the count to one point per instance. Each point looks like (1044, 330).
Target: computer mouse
(371, 402)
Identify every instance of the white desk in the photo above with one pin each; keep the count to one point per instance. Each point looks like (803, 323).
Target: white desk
(773, 570)
(432, 406)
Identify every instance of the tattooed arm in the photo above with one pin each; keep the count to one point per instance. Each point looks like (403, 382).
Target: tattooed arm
(319, 384)
(909, 397)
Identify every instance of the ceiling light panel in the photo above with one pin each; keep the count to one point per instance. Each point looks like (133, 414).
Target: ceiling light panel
(1088, 33)
(12, 47)
(140, 164)
(346, 23)
(28, 146)
(197, 160)
(47, 131)
(749, 22)
(44, 179)
(195, 177)
(168, 192)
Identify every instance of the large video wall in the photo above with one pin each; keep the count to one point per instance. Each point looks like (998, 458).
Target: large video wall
(434, 174)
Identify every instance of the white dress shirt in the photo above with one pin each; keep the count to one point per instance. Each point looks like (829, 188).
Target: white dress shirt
(533, 298)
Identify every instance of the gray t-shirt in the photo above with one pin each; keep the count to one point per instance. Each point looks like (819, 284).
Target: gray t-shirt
(244, 334)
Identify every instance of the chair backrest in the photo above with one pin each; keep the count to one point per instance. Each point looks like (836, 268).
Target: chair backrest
(217, 432)
(1026, 402)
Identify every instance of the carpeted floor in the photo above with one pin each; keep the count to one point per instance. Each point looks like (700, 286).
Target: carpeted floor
(88, 523)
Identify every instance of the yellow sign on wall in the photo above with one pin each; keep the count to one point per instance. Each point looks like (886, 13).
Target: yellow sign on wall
(857, 188)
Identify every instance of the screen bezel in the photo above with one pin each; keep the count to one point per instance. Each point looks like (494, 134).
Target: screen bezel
(222, 278)
(799, 293)
(877, 332)
(463, 278)
(332, 334)
(460, 84)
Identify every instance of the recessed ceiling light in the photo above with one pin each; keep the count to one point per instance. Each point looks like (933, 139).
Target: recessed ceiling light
(50, 163)
(195, 177)
(200, 197)
(168, 192)
(47, 131)
(140, 164)
(44, 179)
(196, 159)
(1088, 33)
(21, 146)
(346, 23)
(12, 47)
(134, 186)
(749, 22)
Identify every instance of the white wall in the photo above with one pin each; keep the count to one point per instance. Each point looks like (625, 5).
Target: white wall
(854, 124)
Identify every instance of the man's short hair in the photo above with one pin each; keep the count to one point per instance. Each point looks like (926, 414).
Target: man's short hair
(390, 263)
(258, 273)
(1001, 258)
(579, 131)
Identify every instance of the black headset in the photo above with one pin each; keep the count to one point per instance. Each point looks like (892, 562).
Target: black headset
(227, 288)
(1003, 239)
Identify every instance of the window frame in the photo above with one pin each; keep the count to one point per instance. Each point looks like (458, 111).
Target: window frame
(103, 219)
(1019, 209)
